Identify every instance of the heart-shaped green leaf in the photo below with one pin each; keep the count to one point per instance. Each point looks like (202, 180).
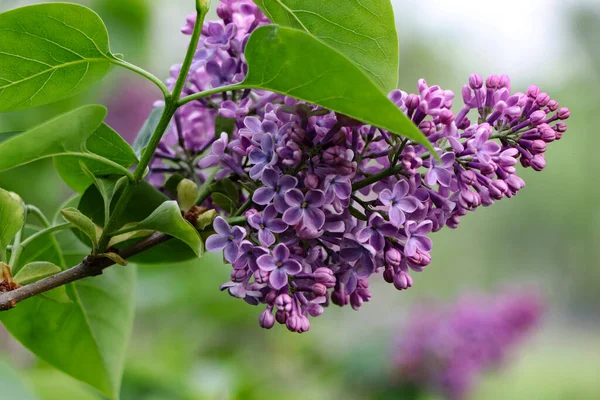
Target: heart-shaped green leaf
(104, 142)
(167, 219)
(88, 338)
(294, 63)
(49, 52)
(363, 31)
(11, 220)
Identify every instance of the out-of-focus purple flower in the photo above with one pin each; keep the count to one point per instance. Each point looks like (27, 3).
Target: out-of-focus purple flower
(227, 239)
(220, 37)
(280, 265)
(445, 349)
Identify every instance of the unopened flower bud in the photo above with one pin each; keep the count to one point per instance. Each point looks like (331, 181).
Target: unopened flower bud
(403, 281)
(393, 257)
(475, 81)
(319, 289)
(187, 194)
(266, 319)
(564, 113)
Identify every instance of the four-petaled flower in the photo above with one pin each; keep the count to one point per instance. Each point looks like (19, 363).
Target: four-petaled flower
(280, 265)
(398, 202)
(376, 232)
(262, 157)
(227, 239)
(267, 224)
(275, 189)
(441, 172)
(220, 37)
(416, 237)
(305, 209)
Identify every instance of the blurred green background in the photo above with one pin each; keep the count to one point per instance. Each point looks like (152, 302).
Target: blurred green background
(193, 342)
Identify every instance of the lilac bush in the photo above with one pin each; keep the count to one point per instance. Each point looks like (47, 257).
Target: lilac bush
(343, 201)
(446, 349)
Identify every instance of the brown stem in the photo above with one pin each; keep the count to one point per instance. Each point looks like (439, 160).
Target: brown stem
(90, 266)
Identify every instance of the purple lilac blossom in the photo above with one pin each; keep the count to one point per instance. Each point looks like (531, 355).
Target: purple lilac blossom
(446, 349)
(348, 200)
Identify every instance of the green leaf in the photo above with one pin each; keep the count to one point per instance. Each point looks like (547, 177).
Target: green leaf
(62, 136)
(12, 218)
(362, 31)
(224, 125)
(35, 271)
(38, 270)
(167, 219)
(104, 142)
(143, 137)
(294, 63)
(49, 52)
(145, 199)
(12, 384)
(88, 338)
(84, 224)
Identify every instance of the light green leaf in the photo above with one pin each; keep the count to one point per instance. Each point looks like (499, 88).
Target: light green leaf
(38, 270)
(49, 52)
(104, 142)
(364, 31)
(115, 240)
(35, 271)
(13, 385)
(167, 219)
(294, 63)
(84, 224)
(11, 220)
(143, 137)
(88, 338)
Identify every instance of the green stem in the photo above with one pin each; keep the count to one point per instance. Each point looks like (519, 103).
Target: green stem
(244, 207)
(236, 220)
(376, 178)
(206, 189)
(48, 230)
(163, 88)
(33, 210)
(206, 93)
(17, 247)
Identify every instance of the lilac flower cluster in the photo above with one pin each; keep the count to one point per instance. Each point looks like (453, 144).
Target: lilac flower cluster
(330, 202)
(445, 350)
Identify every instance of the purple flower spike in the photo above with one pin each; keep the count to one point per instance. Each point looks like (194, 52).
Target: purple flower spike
(305, 209)
(398, 202)
(280, 265)
(376, 232)
(441, 172)
(220, 37)
(262, 157)
(267, 224)
(227, 239)
(417, 237)
(275, 189)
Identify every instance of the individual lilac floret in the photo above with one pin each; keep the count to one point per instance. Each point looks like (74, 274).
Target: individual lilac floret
(376, 232)
(267, 224)
(279, 265)
(446, 349)
(275, 189)
(262, 157)
(305, 209)
(227, 239)
(398, 202)
(220, 37)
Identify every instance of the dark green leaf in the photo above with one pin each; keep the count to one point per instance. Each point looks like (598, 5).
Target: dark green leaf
(224, 202)
(167, 219)
(172, 183)
(84, 224)
(11, 219)
(294, 63)
(49, 52)
(104, 142)
(86, 339)
(144, 135)
(362, 31)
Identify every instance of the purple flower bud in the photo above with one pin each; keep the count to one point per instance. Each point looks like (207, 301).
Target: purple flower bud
(294, 323)
(533, 91)
(311, 181)
(402, 281)
(339, 298)
(388, 275)
(282, 317)
(563, 113)
(319, 289)
(266, 319)
(538, 162)
(393, 257)
(542, 99)
(537, 118)
(284, 302)
(412, 102)
(475, 81)
(538, 147)
(492, 82)
(553, 105)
